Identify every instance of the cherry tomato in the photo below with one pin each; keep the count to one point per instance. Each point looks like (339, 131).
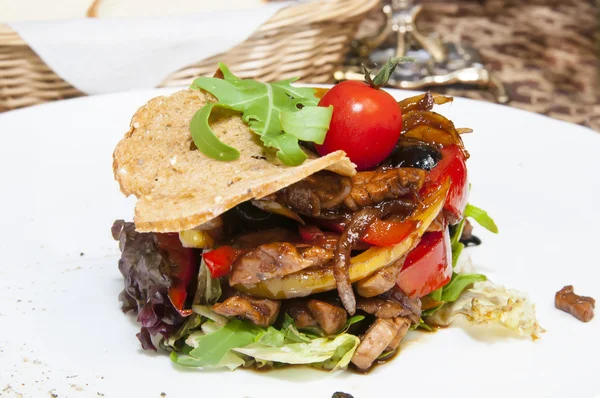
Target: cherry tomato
(453, 166)
(366, 123)
(186, 265)
(428, 266)
(220, 260)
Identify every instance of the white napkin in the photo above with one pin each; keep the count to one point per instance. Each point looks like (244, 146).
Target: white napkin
(107, 55)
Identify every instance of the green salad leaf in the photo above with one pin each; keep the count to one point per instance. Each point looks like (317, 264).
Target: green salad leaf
(192, 322)
(482, 218)
(271, 337)
(351, 321)
(452, 291)
(211, 348)
(457, 249)
(290, 331)
(488, 303)
(279, 113)
(241, 343)
(329, 354)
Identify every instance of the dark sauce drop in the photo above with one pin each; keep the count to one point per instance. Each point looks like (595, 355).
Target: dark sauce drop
(471, 241)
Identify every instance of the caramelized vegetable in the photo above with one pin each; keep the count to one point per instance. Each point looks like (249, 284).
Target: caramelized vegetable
(317, 280)
(273, 207)
(433, 135)
(423, 102)
(432, 128)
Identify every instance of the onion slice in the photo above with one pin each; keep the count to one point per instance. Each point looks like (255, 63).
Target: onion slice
(276, 208)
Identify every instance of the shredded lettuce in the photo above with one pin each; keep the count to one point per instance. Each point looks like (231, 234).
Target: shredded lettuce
(325, 353)
(192, 322)
(241, 343)
(209, 288)
(488, 303)
(207, 312)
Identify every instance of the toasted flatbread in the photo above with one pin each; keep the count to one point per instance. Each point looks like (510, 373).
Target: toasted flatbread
(177, 186)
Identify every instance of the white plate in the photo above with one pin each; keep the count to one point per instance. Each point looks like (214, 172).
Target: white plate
(62, 330)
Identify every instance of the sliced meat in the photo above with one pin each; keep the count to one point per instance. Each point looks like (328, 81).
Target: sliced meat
(581, 307)
(261, 312)
(403, 324)
(354, 231)
(323, 190)
(325, 193)
(382, 308)
(381, 281)
(274, 260)
(413, 305)
(330, 317)
(381, 333)
(372, 187)
(301, 315)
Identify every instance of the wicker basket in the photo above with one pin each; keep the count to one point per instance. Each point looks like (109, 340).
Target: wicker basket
(308, 40)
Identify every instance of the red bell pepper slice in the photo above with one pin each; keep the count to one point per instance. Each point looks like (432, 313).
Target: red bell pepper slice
(379, 233)
(428, 266)
(389, 233)
(185, 262)
(220, 260)
(452, 165)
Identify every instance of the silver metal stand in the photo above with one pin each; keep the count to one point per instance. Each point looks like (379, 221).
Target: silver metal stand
(436, 63)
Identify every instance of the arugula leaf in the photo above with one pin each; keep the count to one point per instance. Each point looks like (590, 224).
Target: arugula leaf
(205, 139)
(289, 152)
(421, 325)
(482, 218)
(436, 295)
(278, 112)
(456, 252)
(308, 124)
(451, 292)
(457, 232)
(352, 321)
(211, 348)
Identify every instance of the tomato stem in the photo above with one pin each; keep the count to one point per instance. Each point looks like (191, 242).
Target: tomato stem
(385, 72)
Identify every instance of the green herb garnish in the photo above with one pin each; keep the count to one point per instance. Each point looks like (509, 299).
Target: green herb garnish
(482, 218)
(451, 292)
(278, 113)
